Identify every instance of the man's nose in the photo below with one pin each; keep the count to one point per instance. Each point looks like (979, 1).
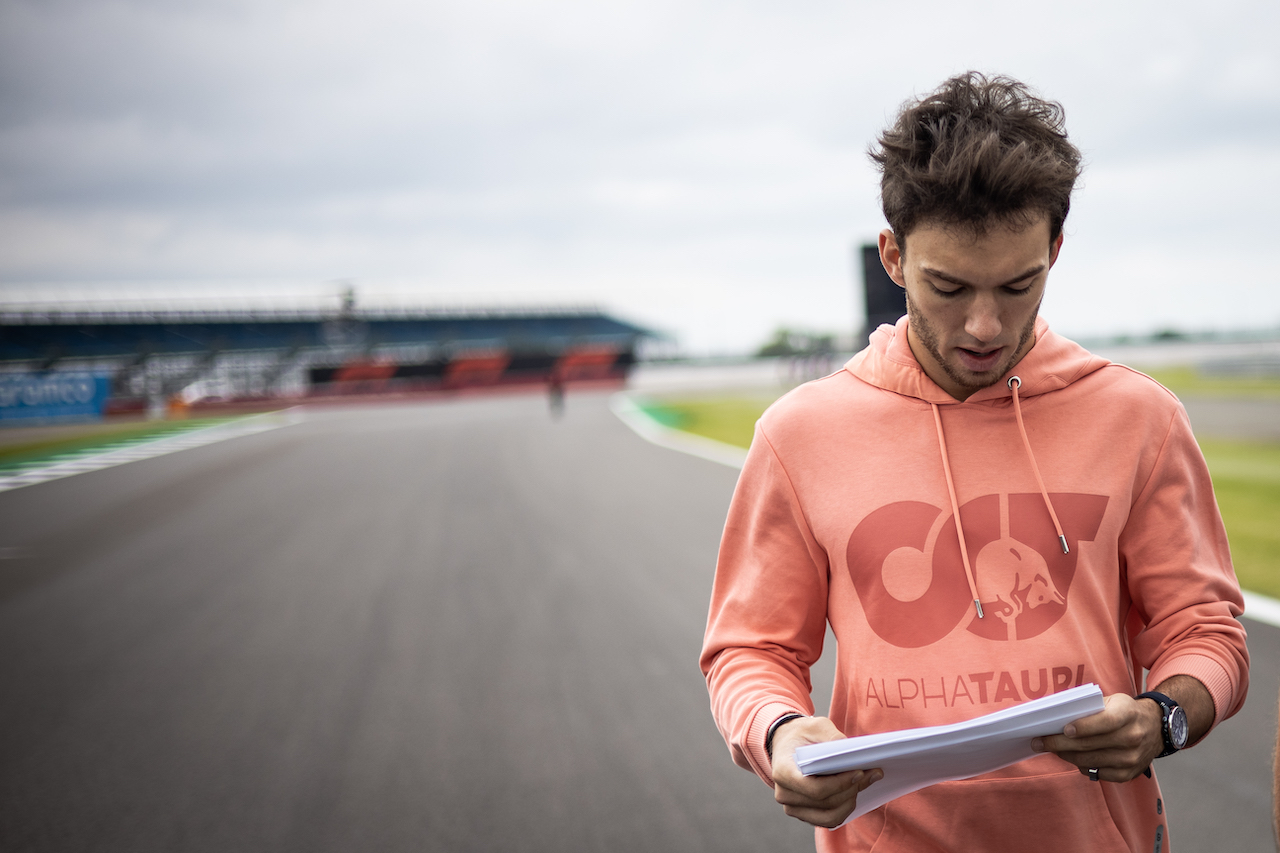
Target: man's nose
(983, 320)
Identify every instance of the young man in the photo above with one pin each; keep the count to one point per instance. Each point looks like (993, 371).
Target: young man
(984, 513)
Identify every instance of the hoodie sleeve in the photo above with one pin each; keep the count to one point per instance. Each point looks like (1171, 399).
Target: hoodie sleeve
(1178, 565)
(768, 610)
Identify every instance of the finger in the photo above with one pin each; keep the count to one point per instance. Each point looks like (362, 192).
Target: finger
(829, 819)
(1126, 738)
(833, 812)
(1092, 726)
(1098, 725)
(824, 791)
(1115, 774)
(1063, 746)
(1121, 711)
(812, 795)
(873, 776)
(1112, 765)
(1085, 760)
(832, 803)
(1111, 753)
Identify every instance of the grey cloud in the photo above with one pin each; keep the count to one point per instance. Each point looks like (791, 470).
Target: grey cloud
(708, 139)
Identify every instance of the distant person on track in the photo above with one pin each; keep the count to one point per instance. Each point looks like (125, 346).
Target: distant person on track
(555, 395)
(984, 513)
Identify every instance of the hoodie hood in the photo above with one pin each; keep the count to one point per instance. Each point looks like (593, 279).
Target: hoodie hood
(1052, 363)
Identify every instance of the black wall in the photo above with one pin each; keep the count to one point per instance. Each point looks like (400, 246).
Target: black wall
(884, 301)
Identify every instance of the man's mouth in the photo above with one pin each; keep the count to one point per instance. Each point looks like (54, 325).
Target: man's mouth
(979, 361)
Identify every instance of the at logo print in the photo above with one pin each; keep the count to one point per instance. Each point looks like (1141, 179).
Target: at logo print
(913, 587)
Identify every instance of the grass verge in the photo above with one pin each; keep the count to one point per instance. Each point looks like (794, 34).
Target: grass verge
(1246, 480)
(95, 438)
(731, 419)
(1188, 381)
(1246, 476)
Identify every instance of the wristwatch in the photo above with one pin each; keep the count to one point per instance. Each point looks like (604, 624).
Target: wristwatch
(1173, 722)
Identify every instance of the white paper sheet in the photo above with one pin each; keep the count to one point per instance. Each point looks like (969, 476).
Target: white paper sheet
(916, 758)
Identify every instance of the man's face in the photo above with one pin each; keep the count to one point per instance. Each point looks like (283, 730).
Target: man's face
(971, 299)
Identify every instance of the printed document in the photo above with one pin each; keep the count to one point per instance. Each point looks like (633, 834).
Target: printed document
(916, 758)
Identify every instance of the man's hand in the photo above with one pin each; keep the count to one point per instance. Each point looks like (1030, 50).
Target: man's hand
(1120, 741)
(1124, 738)
(819, 800)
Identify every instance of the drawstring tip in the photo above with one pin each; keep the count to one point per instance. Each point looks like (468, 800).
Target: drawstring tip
(1062, 540)
(978, 604)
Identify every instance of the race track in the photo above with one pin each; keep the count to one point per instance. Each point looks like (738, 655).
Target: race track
(463, 626)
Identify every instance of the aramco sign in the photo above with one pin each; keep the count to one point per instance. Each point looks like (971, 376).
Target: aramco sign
(29, 397)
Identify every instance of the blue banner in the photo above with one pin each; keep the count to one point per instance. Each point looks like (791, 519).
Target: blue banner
(28, 397)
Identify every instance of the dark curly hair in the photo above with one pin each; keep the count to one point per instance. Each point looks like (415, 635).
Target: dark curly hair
(977, 151)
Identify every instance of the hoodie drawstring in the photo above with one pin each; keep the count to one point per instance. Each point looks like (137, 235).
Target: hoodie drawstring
(1014, 383)
(955, 510)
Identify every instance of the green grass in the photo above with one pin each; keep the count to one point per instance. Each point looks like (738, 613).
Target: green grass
(93, 438)
(728, 418)
(1187, 381)
(1246, 480)
(1246, 475)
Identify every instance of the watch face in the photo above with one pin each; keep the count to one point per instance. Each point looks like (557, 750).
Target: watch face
(1178, 728)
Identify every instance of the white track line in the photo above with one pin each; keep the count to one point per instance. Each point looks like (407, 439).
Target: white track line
(145, 448)
(1257, 607)
(1262, 609)
(664, 436)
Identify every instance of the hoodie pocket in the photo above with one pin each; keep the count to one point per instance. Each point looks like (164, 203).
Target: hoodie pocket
(1059, 811)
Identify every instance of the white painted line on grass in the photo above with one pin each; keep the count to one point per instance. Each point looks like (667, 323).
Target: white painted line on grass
(144, 448)
(673, 439)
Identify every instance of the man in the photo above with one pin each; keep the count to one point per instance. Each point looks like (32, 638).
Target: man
(984, 513)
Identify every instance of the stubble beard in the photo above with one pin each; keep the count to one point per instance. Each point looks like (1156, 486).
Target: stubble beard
(969, 381)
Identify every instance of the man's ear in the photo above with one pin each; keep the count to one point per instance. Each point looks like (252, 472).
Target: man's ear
(1055, 249)
(891, 257)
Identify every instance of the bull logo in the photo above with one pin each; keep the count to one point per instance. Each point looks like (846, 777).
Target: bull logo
(904, 560)
(1015, 578)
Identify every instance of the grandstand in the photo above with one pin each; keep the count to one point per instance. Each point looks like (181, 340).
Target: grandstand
(220, 356)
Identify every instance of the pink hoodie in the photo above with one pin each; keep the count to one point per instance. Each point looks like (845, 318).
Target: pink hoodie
(844, 514)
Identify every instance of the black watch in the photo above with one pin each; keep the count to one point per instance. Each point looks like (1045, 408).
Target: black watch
(1173, 722)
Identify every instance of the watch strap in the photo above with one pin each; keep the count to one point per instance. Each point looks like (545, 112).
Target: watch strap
(1167, 705)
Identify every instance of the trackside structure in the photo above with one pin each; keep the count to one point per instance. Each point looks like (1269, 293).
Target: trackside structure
(209, 356)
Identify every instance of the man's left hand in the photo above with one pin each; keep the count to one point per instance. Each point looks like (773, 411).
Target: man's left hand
(1124, 738)
(1120, 741)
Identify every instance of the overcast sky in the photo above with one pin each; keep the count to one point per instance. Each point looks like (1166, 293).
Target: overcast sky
(695, 166)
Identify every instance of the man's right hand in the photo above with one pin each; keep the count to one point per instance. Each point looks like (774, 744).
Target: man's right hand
(819, 800)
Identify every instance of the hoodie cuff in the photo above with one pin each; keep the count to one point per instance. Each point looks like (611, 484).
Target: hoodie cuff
(764, 718)
(1208, 672)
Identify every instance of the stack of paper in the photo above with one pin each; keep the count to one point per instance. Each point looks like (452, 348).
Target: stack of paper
(915, 758)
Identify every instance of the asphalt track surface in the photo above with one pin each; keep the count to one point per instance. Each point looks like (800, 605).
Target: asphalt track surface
(459, 626)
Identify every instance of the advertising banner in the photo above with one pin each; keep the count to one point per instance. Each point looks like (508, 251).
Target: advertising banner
(51, 397)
